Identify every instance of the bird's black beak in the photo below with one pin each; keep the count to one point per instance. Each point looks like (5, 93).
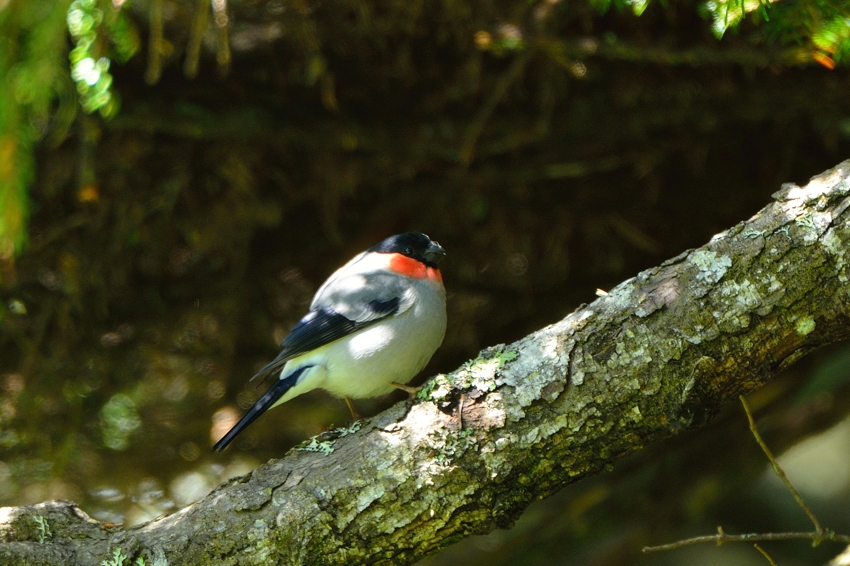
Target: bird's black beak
(434, 253)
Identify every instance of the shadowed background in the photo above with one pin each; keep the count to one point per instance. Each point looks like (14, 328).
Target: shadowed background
(237, 160)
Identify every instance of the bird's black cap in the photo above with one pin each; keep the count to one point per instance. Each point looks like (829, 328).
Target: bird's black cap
(415, 245)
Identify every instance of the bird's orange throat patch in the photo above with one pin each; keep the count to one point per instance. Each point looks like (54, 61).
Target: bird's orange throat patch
(415, 269)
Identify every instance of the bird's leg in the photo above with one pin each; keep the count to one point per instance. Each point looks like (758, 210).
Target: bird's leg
(409, 389)
(354, 414)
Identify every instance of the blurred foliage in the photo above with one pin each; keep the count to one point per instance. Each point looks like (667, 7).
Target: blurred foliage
(93, 29)
(552, 147)
(822, 27)
(119, 419)
(39, 98)
(32, 45)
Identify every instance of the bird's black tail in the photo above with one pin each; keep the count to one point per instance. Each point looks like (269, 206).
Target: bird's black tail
(275, 392)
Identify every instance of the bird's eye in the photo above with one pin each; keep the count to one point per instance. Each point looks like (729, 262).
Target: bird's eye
(408, 251)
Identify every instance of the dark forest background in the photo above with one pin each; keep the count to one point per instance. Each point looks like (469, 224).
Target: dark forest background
(177, 178)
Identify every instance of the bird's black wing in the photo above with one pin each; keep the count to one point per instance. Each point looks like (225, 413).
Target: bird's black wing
(323, 326)
(317, 328)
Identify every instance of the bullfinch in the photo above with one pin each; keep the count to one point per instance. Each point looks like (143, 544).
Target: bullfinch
(372, 325)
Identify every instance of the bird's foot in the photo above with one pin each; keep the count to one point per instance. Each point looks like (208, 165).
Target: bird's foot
(409, 389)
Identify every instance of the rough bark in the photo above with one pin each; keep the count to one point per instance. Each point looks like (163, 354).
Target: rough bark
(657, 355)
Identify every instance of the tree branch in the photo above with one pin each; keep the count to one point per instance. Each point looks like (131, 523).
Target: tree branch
(657, 355)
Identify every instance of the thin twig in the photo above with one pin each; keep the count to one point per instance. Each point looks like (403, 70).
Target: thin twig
(200, 23)
(766, 555)
(501, 87)
(722, 537)
(779, 471)
(155, 45)
(819, 535)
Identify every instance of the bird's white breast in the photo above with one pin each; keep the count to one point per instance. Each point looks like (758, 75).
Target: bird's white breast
(363, 364)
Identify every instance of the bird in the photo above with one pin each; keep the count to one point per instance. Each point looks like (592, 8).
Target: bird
(371, 327)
